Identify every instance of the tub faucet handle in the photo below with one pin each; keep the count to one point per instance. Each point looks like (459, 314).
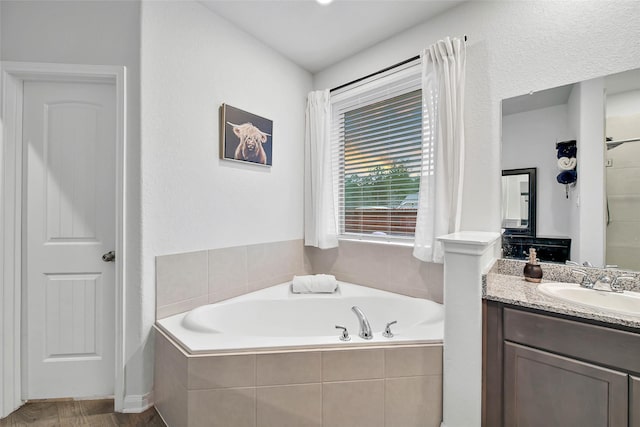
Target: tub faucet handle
(387, 330)
(345, 334)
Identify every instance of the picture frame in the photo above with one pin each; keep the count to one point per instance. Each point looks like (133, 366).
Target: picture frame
(245, 137)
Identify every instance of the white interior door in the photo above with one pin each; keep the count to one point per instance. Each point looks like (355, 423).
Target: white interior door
(69, 132)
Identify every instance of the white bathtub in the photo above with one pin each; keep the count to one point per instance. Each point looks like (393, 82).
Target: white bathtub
(276, 319)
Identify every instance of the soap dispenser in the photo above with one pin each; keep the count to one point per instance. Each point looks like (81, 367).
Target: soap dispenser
(532, 270)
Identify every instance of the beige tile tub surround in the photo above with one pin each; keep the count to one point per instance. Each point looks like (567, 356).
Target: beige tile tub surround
(353, 403)
(289, 368)
(189, 280)
(382, 266)
(181, 278)
(296, 405)
(379, 386)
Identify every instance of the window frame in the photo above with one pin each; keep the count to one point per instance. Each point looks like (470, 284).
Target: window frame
(391, 82)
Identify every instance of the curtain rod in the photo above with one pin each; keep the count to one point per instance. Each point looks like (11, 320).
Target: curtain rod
(384, 70)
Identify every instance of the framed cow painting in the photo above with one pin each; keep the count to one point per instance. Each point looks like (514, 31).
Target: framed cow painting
(245, 137)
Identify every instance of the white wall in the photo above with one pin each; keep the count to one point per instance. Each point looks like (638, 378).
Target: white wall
(591, 190)
(528, 140)
(192, 62)
(7, 401)
(99, 33)
(623, 104)
(513, 48)
(574, 206)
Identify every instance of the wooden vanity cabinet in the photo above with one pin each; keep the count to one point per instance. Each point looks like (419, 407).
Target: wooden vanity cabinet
(634, 401)
(543, 370)
(544, 389)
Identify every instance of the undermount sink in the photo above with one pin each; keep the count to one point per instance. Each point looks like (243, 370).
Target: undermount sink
(616, 303)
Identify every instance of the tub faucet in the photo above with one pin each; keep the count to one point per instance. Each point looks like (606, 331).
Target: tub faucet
(365, 328)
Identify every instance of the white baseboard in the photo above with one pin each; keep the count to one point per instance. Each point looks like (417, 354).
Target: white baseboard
(136, 403)
(6, 411)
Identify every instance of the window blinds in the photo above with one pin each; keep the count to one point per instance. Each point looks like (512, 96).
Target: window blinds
(377, 155)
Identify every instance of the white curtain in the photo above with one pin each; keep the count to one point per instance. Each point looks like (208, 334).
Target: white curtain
(440, 200)
(320, 228)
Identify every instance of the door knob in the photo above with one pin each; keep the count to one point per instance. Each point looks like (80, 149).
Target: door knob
(109, 256)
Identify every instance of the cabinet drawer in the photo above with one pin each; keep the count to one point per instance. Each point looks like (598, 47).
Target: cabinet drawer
(610, 347)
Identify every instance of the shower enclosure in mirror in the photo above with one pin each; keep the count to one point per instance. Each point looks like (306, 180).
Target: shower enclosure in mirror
(598, 215)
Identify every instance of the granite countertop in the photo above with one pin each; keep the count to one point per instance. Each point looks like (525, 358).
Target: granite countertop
(505, 283)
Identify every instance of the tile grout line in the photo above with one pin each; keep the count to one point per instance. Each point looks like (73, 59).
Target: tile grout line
(208, 277)
(255, 387)
(322, 355)
(384, 387)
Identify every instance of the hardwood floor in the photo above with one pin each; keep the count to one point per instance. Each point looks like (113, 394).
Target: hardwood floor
(72, 413)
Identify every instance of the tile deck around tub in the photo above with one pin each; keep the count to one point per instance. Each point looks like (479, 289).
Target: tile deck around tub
(398, 385)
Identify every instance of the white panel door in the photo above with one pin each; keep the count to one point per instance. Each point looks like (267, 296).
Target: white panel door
(69, 132)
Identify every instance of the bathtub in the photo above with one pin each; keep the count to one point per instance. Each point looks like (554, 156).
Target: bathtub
(277, 319)
(275, 358)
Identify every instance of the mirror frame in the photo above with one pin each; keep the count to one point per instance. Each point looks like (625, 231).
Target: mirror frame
(530, 230)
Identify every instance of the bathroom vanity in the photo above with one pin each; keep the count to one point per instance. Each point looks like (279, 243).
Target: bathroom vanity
(563, 354)
(552, 363)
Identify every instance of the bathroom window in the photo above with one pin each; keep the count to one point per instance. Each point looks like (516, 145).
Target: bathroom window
(377, 151)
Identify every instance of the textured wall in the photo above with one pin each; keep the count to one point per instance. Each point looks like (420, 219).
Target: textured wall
(192, 62)
(99, 33)
(513, 48)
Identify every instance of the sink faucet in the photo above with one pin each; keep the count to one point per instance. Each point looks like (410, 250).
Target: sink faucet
(603, 280)
(365, 328)
(586, 282)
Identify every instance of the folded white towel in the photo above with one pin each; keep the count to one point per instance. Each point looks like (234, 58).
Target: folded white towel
(314, 284)
(567, 163)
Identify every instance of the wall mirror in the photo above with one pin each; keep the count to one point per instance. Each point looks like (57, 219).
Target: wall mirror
(519, 201)
(589, 197)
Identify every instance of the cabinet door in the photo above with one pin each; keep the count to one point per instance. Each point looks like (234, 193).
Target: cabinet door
(634, 402)
(544, 389)
(492, 365)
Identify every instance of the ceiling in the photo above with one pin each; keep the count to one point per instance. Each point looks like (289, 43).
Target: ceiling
(622, 82)
(613, 83)
(316, 36)
(536, 100)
